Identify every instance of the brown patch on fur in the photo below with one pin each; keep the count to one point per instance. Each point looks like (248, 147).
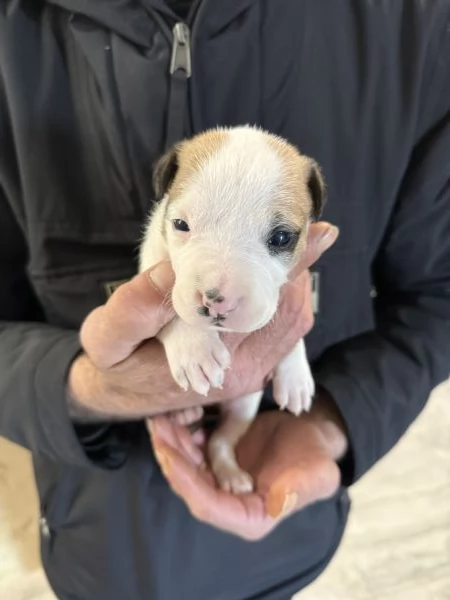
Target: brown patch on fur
(193, 153)
(294, 200)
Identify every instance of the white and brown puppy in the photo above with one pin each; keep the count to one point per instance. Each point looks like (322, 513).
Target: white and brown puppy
(233, 215)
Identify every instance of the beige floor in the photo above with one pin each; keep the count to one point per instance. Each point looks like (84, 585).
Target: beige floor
(397, 546)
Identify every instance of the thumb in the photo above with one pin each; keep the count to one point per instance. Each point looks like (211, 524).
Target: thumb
(161, 277)
(321, 236)
(135, 312)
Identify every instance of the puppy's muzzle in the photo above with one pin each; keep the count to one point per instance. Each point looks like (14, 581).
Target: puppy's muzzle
(216, 305)
(224, 290)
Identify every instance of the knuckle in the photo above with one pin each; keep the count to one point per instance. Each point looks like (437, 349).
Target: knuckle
(119, 299)
(88, 327)
(90, 339)
(307, 320)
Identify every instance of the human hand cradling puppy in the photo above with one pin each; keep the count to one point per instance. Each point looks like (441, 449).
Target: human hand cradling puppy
(292, 460)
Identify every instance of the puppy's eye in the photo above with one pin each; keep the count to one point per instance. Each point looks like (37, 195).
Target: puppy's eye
(280, 239)
(180, 225)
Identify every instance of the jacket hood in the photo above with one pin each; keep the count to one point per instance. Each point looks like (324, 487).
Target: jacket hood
(133, 18)
(129, 18)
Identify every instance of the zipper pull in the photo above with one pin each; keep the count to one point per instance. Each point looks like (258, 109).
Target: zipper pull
(181, 49)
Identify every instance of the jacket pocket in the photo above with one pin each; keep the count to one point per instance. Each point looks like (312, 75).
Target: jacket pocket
(68, 299)
(342, 282)
(73, 267)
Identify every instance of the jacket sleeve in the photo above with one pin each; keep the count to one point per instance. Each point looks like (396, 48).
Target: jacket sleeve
(34, 357)
(34, 362)
(381, 380)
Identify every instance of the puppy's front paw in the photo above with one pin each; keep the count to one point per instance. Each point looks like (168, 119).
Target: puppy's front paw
(293, 389)
(197, 359)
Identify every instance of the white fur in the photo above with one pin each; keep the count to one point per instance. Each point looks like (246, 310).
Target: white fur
(228, 204)
(229, 201)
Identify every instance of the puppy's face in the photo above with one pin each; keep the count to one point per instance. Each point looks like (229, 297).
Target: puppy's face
(238, 204)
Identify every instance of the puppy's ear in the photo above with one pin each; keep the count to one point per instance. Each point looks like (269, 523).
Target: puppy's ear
(317, 190)
(164, 172)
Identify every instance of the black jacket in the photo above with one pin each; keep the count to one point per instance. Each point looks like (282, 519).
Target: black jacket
(86, 106)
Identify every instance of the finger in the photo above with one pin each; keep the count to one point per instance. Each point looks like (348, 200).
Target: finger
(242, 515)
(199, 438)
(164, 431)
(135, 312)
(298, 488)
(297, 300)
(321, 236)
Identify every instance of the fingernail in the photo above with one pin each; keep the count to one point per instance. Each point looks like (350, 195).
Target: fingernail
(162, 277)
(328, 238)
(289, 504)
(163, 461)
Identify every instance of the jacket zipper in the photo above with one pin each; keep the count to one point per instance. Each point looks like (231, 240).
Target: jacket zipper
(180, 72)
(181, 49)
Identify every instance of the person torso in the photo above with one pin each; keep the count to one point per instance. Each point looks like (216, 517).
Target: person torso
(92, 103)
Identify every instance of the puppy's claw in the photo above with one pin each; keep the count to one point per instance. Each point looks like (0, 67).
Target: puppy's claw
(306, 401)
(202, 388)
(222, 356)
(196, 358)
(213, 373)
(182, 380)
(216, 380)
(294, 393)
(282, 404)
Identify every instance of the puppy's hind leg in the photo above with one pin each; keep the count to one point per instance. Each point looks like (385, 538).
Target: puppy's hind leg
(237, 416)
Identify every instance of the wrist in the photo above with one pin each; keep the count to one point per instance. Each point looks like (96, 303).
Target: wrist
(82, 388)
(88, 398)
(94, 396)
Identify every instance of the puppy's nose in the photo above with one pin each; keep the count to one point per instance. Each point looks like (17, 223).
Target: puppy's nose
(214, 295)
(217, 304)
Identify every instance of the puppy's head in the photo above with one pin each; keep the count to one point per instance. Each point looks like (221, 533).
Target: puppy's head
(238, 203)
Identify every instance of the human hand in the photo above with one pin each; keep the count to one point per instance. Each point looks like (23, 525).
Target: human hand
(292, 461)
(122, 372)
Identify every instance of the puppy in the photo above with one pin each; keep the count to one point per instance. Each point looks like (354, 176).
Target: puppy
(233, 211)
